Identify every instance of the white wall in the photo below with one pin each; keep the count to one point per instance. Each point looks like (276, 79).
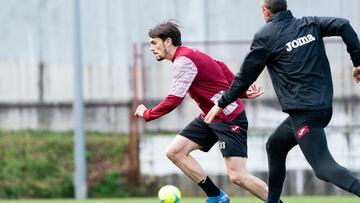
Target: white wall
(41, 31)
(342, 145)
(35, 31)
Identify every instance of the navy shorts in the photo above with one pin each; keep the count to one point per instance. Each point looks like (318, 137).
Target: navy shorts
(232, 135)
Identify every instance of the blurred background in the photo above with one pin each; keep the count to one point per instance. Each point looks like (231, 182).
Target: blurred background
(124, 155)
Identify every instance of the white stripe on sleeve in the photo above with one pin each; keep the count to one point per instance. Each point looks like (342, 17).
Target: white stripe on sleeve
(229, 108)
(185, 72)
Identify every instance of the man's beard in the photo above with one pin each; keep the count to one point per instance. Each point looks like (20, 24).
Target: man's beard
(159, 57)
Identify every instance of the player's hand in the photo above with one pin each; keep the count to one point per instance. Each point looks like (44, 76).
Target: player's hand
(356, 74)
(140, 110)
(254, 92)
(215, 110)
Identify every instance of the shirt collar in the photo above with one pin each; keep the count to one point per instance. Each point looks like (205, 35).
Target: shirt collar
(282, 15)
(176, 53)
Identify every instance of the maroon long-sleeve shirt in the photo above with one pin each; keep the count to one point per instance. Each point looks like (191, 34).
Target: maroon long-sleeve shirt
(204, 79)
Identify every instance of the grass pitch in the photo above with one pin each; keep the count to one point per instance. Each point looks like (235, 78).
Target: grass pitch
(329, 199)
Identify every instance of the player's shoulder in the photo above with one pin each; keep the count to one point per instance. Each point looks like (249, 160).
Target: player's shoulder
(265, 32)
(182, 60)
(309, 18)
(184, 63)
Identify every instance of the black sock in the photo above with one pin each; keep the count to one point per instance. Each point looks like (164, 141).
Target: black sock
(355, 188)
(273, 197)
(209, 187)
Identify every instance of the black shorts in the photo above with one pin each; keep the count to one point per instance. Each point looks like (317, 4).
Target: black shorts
(232, 136)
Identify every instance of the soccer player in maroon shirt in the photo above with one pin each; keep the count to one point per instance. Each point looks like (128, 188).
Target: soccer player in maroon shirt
(205, 79)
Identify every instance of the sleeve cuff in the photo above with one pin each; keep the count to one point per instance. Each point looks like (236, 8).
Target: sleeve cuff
(146, 115)
(221, 103)
(244, 95)
(356, 61)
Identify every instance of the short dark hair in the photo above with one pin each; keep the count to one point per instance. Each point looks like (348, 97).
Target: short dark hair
(275, 5)
(167, 29)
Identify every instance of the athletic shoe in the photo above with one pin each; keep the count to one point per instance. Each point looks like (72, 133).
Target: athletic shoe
(222, 198)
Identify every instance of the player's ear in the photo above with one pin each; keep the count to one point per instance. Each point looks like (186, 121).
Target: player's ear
(266, 13)
(168, 41)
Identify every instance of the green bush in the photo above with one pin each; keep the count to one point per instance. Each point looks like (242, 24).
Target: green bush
(40, 164)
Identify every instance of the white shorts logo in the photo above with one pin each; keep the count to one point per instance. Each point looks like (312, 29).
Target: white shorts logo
(221, 145)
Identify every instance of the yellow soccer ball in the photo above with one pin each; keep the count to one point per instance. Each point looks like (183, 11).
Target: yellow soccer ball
(169, 194)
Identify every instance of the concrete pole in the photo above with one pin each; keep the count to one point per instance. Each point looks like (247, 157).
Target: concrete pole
(79, 135)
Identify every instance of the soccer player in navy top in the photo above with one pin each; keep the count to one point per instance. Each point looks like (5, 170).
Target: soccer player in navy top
(293, 51)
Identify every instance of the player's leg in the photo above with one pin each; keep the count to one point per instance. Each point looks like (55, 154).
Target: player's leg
(194, 136)
(236, 168)
(233, 145)
(309, 131)
(280, 142)
(179, 153)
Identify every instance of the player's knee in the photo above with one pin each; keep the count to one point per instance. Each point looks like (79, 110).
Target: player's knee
(173, 154)
(274, 150)
(322, 173)
(269, 147)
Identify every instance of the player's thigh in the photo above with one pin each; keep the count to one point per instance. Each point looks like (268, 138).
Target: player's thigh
(198, 132)
(282, 140)
(182, 145)
(309, 132)
(310, 122)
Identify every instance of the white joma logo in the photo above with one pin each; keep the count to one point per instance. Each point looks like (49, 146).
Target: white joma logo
(299, 42)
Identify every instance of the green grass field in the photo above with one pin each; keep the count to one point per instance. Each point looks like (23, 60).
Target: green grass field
(329, 199)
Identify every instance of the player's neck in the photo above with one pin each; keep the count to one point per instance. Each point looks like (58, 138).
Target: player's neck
(171, 53)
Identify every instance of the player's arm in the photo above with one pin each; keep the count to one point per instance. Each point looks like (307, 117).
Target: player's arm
(250, 70)
(185, 72)
(166, 105)
(341, 27)
(251, 93)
